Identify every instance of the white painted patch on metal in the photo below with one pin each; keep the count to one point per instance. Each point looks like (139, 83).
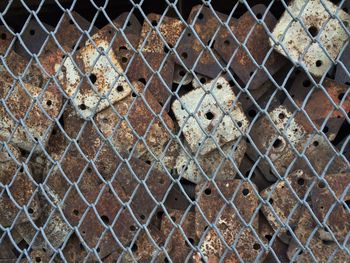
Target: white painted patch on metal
(224, 125)
(317, 20)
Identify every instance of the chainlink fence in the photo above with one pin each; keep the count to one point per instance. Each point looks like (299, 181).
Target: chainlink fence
(174, 131)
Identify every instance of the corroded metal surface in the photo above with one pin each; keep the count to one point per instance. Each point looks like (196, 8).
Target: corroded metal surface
(227, 221)
(36, 115)
(255, 36)
(318, 22)
(218, 112)
(284, 207)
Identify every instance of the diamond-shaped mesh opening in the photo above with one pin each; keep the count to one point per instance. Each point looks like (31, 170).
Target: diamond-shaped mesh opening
(174, 131)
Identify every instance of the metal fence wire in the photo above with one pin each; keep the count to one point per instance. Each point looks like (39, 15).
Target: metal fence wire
(177, 131)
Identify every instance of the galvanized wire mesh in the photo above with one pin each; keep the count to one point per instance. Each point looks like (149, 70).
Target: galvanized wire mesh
(180, 135)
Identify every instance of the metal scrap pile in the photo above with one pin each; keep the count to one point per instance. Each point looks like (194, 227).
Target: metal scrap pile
(215, 138)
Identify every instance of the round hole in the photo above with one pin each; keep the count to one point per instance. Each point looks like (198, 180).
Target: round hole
(313, 31)
(3, 36)
(191, 241)
(105, 120)
(30, 210)
(132, 228)
(93, 78)
(71, 21)
(321, 185)
(182, 73)
(209, 115)
(207, 191)
(281, 116)
(245, 192)
(227, 42)
(252, 113)
(315, 143)
(128, 24)
(120, 88)
(318, 63)
(75, 212)
(98, 249)
(49, 103)
(258, 16)
(301, 181)
(189, 34)
(256, 246)
(82, 107)
(133, 94)
(83, 232)
(161, 181)
(251, 73)
(134, 248)
(306, 83)
(123, 48)
(347, 204)
(203, 80)
(165, 49)
(142, 217)
(38, 259)
(239, 124)
(154, 22)
(89, 170)
(341, 96)
(200, 16)
(184, 55)
(105, 219)
(32, 32)
(219, 86)
(142, 80)
(268, 237)
(124, 59)
(325, 129)
(277, 143)
(271, 201)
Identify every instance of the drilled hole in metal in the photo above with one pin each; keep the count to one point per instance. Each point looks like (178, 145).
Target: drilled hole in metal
(71, 21)
(281, 116)
(191, 241)
(123, 48)
(134, 248)
(92, 78)
(325, 129)
(142, 80)
(203, 80)
(105, 219)
(277, 143)
(120, 88)
(184, 55)
(49, 103)
(318, 63)
(30, 210)
(154, 22)
(268, 237)
(38, 259)
(209, 115)
(313, 31)
(76, 212)
(200, 16)
(245, 192)
(142, 217)
(301, 181)
(256, 246)
(132, 228)
(227, 42)
(271, 201)
(258, 15)
(315, 143)
(252, 113)
(341, 96)
(124, 59)
(82, 107)
(306, 83)
(321, 185)
(32, 32)
(3, 36)
(207, 191)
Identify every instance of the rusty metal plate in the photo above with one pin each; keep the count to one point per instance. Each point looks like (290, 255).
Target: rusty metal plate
(317, 242)
(33, 37)
(38, 123)
(18, 66)
(218, 112)
(319, 22)
(6, 39)
(296, 132)
(227, 220)
(142, 123)
(141, 69)
(68, 33)
(255, 37)
(285, 204)
(144, 248)
(21, 189)
(190, 48)
(7, 250)
(56, 229)
(318, 106)
(335, 215)
(177, 246)
(132, 26)
(104, 70)
(74, 251)
(213, 163)
(170, 29)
